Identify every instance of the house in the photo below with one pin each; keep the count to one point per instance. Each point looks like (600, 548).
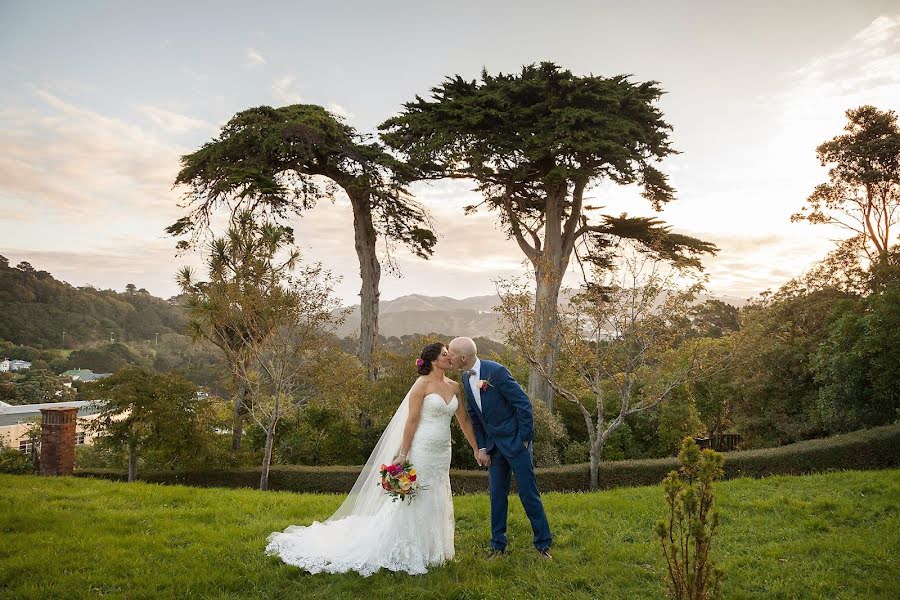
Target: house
(14, 365)
(16, 420)
(4, 365)
(84, 375)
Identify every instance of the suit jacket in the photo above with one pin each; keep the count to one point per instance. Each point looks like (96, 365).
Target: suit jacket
(505, 420)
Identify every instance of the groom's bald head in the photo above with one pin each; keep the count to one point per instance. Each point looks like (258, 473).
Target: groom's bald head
(463, 352)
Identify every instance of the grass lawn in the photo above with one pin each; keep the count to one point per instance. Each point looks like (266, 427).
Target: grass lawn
(833, 535)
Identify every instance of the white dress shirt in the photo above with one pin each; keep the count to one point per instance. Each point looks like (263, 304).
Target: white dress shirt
(473, 381)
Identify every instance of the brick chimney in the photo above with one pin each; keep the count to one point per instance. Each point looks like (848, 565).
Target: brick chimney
(58, 440)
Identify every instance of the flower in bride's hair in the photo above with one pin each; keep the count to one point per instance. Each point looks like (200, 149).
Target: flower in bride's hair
(419, 362)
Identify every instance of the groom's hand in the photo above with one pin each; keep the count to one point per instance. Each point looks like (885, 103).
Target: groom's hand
(483, 458)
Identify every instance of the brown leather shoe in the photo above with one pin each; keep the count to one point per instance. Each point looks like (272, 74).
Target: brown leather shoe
(545, 553)
(495, 553)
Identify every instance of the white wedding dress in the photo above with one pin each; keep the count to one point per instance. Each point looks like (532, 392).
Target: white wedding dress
(370, 532)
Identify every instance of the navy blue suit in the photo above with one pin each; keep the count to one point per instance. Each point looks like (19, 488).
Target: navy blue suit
(503, 425)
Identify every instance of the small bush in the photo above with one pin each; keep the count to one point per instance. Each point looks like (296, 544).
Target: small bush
(13, 462)
(686, 535)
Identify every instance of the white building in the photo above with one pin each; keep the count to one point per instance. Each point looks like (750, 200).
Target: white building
(4, 365)
(16, 419)
(15, 365)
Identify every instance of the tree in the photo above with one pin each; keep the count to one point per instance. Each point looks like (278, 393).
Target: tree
(776, 395)
(857, 362)
(715, 318)
(535, 143)
(288, 343)
(140, 411)
(108, 358)
(862, 194)
(237, 308)
(38, 386)
(617, 340)
(283, 160)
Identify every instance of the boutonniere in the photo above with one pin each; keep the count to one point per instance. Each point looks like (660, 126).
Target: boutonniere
(484, 384)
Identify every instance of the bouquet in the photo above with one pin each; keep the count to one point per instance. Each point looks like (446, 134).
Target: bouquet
(399, 481)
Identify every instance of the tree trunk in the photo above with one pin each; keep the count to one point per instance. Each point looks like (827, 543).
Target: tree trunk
(595, 469)
(549, 268)
(546, 342)
(370, 272)
(267, 454)
(132, 463)
(237, 420)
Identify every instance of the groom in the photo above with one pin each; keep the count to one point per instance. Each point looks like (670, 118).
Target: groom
(504, 427)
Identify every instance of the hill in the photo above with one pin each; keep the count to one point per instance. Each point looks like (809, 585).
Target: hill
(36, 309)
(40, 311)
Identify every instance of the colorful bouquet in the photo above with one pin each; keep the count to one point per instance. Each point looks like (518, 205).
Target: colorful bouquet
(399, 481)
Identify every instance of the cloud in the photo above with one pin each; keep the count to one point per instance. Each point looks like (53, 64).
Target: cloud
(254, 58)
(172, 122)
(284, 90)
(67, 160)
(337, 109)
(863, 70)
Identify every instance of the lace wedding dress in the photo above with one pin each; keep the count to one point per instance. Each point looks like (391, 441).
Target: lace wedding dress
(370, 532)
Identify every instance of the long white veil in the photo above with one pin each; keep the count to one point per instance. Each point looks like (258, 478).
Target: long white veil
(367, 495)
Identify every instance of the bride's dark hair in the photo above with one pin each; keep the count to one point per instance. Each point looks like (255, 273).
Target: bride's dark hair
(429, 353)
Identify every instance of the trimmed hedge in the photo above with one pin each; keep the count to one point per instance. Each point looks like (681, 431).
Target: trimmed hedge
(877, 448)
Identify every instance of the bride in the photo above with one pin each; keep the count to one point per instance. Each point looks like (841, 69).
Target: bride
(369, 531)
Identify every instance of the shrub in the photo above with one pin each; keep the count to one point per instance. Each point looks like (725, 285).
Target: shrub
(686, 535)
(13, 462)
(877, 448)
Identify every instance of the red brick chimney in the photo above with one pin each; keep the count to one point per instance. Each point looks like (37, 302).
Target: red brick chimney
(58, 440)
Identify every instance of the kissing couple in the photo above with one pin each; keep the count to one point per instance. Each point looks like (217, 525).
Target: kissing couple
(369, 531)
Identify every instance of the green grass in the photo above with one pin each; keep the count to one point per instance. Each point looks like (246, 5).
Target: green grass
(833, 535)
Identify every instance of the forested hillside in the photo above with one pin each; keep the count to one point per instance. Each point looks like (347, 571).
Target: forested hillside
(40, 311)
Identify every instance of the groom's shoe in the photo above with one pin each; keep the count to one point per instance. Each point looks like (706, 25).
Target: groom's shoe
(545, 553)
(496, 553)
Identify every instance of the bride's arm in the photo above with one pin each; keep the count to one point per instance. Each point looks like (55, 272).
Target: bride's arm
(465, 423)
(416, 399)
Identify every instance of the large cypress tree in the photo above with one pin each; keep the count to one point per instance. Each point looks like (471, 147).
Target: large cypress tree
(535, 142)
(280, 161)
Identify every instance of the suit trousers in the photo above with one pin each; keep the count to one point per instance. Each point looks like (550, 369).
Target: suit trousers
(522, 465)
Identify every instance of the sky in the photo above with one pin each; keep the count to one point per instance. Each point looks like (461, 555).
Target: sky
(101, 99)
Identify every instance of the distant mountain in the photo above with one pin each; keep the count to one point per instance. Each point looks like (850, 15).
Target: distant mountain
(416, 313)
(38, 310)
(470, 317)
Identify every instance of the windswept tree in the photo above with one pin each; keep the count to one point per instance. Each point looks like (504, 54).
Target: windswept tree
(237, 308)
(862, 194)
(282, 161)
(535, 143)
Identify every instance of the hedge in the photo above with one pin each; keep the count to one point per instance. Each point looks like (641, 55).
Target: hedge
(877, 448)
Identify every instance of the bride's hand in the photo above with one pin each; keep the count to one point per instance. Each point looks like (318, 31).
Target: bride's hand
(398, 460)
